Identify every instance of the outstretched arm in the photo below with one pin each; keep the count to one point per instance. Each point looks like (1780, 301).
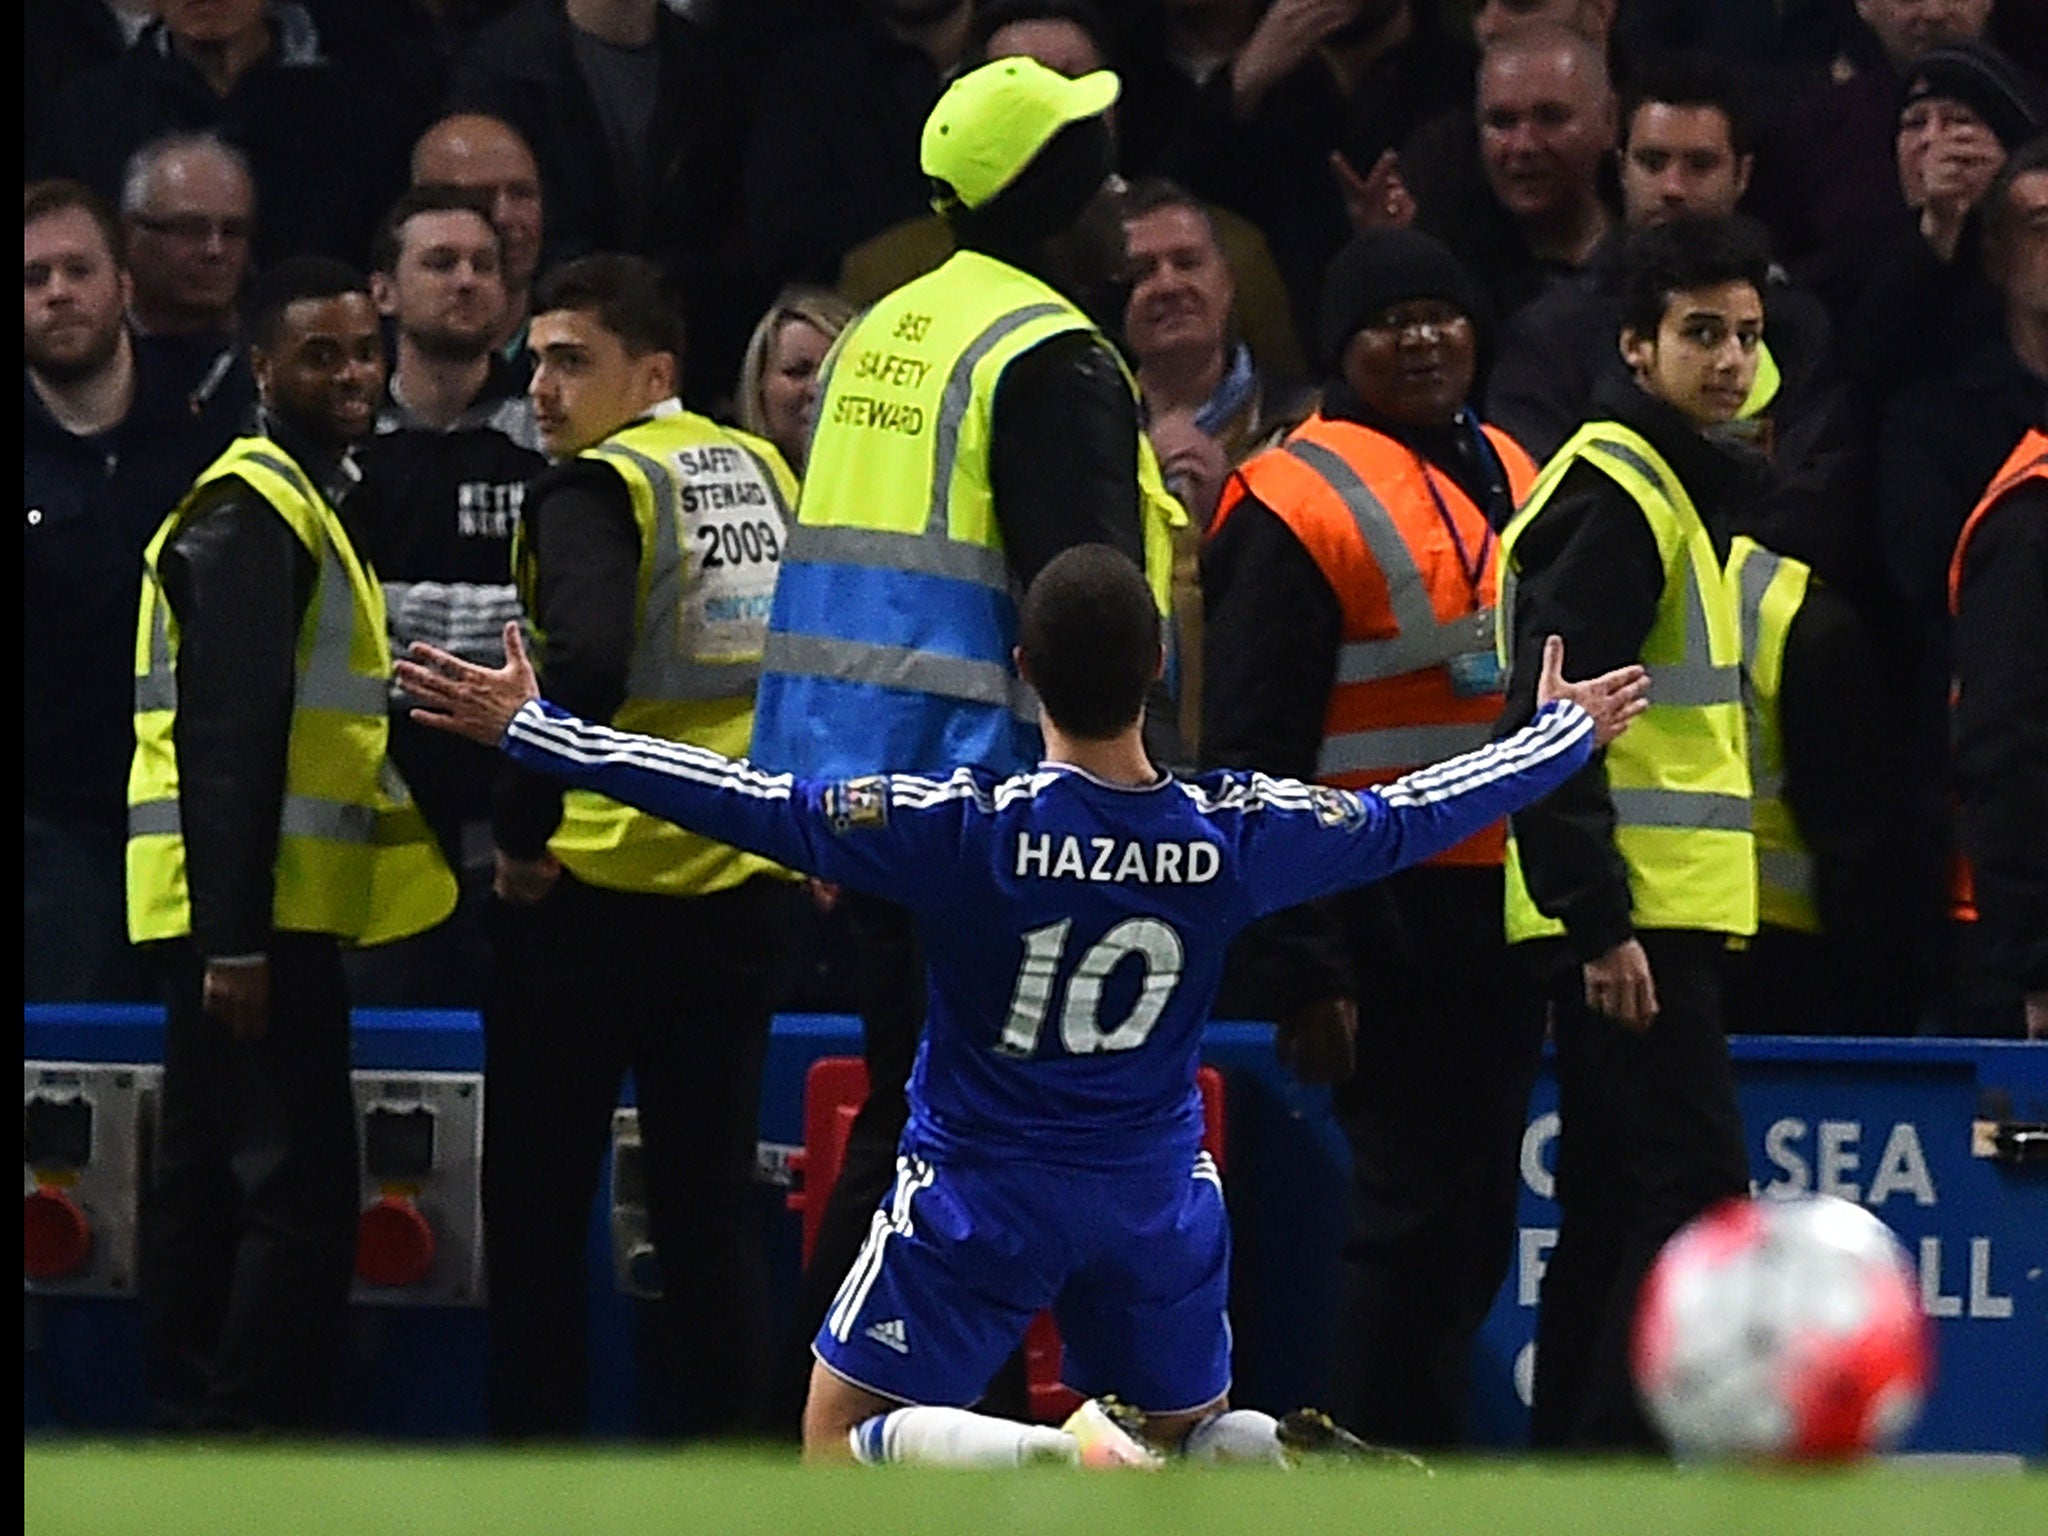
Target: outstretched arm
(1337, 838)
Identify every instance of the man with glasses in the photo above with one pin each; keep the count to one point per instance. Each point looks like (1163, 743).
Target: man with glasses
(1349, 583)
(189, 207)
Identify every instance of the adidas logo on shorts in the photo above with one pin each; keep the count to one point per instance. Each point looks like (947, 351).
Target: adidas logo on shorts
(890, 1335)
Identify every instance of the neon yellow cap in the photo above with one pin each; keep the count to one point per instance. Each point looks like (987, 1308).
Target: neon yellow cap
(992, 122)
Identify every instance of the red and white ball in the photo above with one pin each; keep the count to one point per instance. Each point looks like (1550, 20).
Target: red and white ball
(1786, 1329)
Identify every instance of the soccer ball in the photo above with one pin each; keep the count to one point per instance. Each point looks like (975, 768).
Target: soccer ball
(1782, 1329)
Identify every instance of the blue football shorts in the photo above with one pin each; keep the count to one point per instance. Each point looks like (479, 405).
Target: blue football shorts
(1135, 1265)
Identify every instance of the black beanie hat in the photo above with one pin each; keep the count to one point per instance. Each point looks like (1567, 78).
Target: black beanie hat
(1383, 267)
(2010, 101)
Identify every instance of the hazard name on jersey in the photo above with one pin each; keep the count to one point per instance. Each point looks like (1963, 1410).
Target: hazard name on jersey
(1108, 859)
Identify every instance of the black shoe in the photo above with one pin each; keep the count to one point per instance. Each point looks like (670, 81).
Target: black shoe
(1309, 1434)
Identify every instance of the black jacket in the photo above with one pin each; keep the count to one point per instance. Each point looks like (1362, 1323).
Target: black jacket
(685, 213)
(2001, 728)
(238, 580)
(1589, 571)
(92, 505)
(325, 139)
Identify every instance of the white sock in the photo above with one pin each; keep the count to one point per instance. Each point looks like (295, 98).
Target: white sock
(955, 1437)
(1238, 1434)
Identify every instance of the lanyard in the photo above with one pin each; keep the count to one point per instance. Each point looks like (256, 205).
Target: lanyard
(1474, 566)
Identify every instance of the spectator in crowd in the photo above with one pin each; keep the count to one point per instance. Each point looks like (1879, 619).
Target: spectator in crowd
(902, 565)
(1826, 182)
(1296, 132)
(1066, 36)
(444, 476)
(1686, 152)
(1999, 597)
(1836, 950)
(633, 110)
(646, 557)
(1626, 885)
(1957, 421)
(324, 143)
(188, 206)
(1924, 301)
(263, 812)
(1946, 425)
(112, 435)
(777, 396)
(1207, 402)
(832, 153)
(1350, 585)
(1547, 123)
(61, 39)
(486, 155)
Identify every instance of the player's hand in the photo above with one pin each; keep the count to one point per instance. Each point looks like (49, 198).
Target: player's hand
(1619, 985)
(824, 894)
(524, 882)
(1318, 1042)
(1377, 200)
(239, 997)
(1612, 699)
(463, 698)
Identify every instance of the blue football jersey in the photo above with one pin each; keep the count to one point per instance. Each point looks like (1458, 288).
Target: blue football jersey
(1074, 930)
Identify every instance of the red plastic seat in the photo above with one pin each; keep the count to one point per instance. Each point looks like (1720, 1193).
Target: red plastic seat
(834, 1090)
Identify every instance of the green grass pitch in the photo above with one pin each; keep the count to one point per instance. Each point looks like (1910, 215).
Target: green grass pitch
(115, 1490)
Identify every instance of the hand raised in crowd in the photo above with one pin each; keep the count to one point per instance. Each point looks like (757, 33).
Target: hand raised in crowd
(1318, 1042)
(1192, 462)
(1289, 32)
(238, 995)
(1379, 199)
(1612, 699)
(1619, 985)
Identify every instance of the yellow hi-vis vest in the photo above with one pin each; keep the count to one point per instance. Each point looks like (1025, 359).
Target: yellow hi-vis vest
(898, 479)
(712, 508)
(354, 857)
(1770, 587)
(1679, 776)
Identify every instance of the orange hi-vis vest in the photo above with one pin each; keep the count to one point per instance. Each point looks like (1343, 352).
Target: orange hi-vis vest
(2029, 461)
(1411, 560)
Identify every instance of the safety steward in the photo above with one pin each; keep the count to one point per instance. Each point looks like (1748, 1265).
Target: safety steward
(1627, 886)
(971, 425)
(1834, 951)
(1349, 582)
(1998, 598)
(646, 560)
(267, 828)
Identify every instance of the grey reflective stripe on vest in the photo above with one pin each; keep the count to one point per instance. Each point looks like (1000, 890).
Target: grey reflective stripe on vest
(1758, 571)
(954, 402)
(1782, 869)
(301, 816)
(898, 666)
(659, 669)
(880, 550)
(1424, 640)
(1694, 680)
(1401, 746)
(1689, 810)
(327, 681)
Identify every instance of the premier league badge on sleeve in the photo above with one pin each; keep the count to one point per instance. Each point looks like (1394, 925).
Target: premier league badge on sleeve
(855, 803)
(1336, 807)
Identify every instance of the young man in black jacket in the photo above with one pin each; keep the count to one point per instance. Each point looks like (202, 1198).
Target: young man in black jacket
(1626, 886)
